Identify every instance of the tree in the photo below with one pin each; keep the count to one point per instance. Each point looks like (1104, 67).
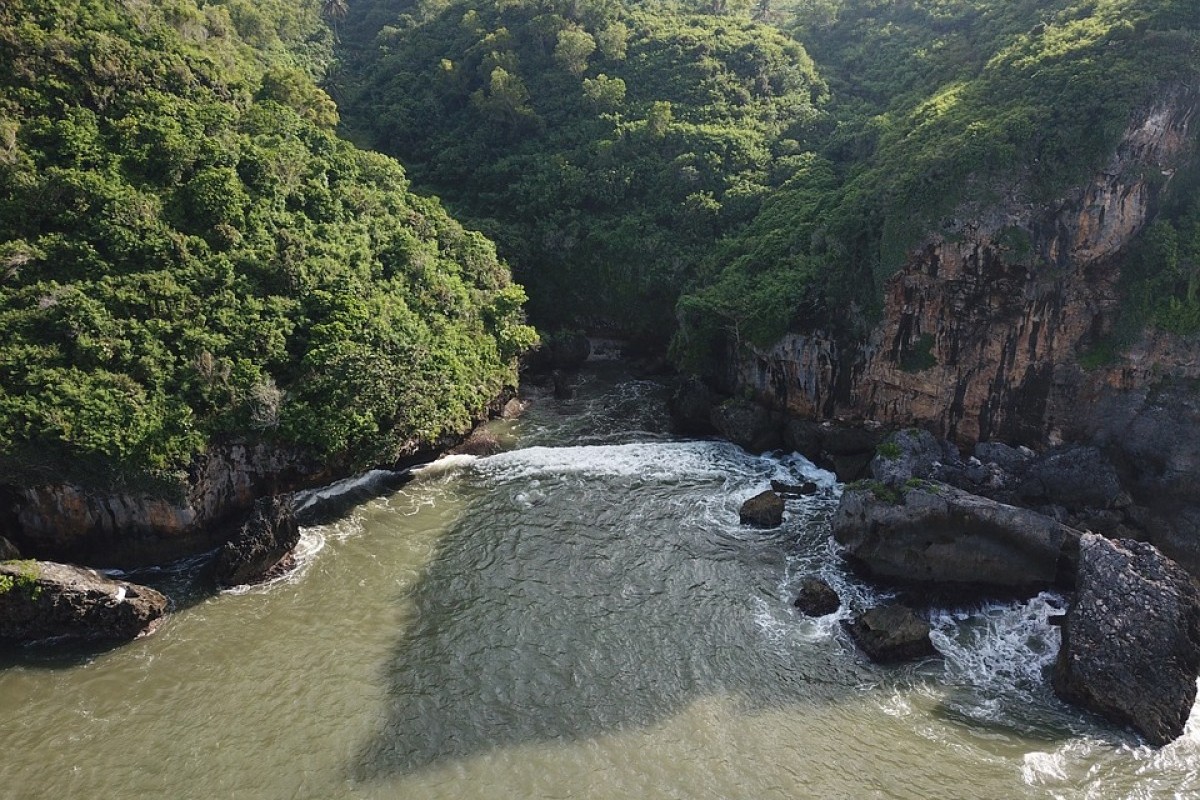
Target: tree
(574, 47)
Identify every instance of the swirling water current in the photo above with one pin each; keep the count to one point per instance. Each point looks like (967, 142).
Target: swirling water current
(578, 617)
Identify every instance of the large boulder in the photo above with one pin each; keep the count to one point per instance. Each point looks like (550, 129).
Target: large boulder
(1131, 639)
(891, 633)
(764, 510)
(748, 425)
(844, 449)
(265, 539)
(904, 455)
(817, 598)
(935, 536)
(46, 600)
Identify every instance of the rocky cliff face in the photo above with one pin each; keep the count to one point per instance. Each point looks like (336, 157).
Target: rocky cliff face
(81, 525)
(981, 327)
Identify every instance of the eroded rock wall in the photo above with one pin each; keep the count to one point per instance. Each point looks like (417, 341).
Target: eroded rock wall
(126, 528)
(981, 328)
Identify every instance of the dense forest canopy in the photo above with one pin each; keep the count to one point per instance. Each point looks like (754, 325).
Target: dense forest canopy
(188, 252)
(191, 250)
(764, 164)
(606, 146)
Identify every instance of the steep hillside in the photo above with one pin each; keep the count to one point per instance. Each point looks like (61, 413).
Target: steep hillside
(938, 108)
(203, 291)
(605, 146)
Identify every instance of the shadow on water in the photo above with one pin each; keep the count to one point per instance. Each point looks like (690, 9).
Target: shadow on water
(564, 606)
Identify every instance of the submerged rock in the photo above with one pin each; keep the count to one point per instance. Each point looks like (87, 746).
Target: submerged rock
(817, 598)
(936, 536)
(764, 510)
(1131, 639)
(794, 489)
(44, 600)
(891, 633)
(266, 538)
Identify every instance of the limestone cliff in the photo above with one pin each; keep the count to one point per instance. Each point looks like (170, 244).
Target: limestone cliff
(982, 326)
(84, 525)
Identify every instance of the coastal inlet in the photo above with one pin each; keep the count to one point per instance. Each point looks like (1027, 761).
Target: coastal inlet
(580, 616)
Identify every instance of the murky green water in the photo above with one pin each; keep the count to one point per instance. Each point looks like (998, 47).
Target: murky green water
(578, 618)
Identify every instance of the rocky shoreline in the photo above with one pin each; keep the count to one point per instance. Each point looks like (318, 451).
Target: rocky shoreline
(1002, 523)
(915, 514)
(240, 508)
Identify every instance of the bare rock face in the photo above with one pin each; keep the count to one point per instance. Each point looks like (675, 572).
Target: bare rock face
(1073, 477)
(844, 449)
(748, 425)
(46, 600)
(892, 633)
(132, 528)
(691, 407)
(481, 442)
(982, 323)
(906, 454)
(1131, 639)
(764, 510)
(266, 538)
(934, 536)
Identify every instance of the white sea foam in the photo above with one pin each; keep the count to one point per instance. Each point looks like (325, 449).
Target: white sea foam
(446, 465)
(652, 461)
(311, 497)
(1003, 647)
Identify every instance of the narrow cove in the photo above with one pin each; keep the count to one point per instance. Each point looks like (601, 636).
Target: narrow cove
(581, 616)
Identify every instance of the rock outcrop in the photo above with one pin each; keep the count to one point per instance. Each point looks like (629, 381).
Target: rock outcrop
(268, 537)
(691, 405)
(936, 537)
(844, 449)
(891, 633)
(905, 455)
(817, 598)
(764, 510)
(1131, 639)
(45, 600)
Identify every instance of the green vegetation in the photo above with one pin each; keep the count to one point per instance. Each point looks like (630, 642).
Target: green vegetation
(25, 581)
(605, 146)
(676, 165)
(889, 450)
(1160, 276)
(189, 254)
(919, 355)
(935, 103)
